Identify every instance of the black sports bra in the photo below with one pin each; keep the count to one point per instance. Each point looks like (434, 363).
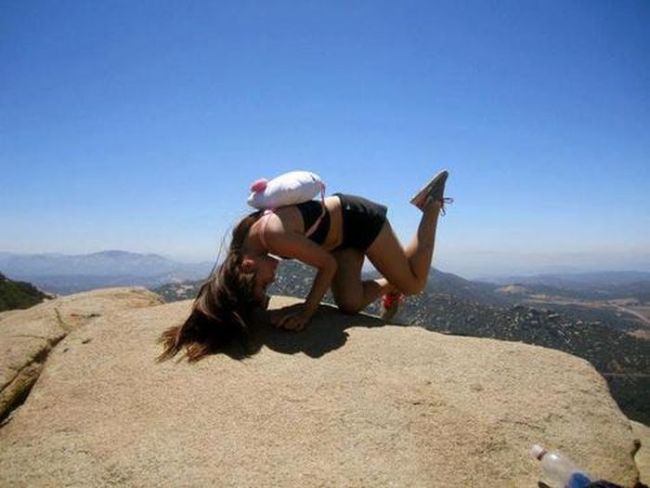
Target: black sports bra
(311, 211)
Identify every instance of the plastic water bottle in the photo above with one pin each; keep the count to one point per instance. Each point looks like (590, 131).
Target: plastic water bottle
(559, 470)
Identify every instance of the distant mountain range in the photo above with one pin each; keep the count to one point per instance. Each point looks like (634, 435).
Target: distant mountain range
(295, 279)
(596, 285)
(64, 274)
(596, 278)
(18, 294)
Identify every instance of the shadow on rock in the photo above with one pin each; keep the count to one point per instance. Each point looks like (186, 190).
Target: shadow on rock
(325, 333)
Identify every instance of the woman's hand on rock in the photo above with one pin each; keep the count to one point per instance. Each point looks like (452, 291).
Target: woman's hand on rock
(294, 317)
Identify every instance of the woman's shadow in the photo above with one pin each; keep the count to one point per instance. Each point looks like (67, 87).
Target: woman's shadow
(326, 332)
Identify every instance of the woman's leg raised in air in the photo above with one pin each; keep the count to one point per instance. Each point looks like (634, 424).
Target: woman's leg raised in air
(404, 270)
(407, 269)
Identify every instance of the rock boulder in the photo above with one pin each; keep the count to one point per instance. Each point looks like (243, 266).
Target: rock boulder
(350, 401)
(27, 336)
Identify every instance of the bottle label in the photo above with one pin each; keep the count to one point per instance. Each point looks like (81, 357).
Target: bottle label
(578, 480)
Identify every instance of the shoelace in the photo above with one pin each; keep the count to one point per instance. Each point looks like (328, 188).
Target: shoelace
(445, 200)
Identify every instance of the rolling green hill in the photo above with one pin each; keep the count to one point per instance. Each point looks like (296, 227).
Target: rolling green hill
(18, 294)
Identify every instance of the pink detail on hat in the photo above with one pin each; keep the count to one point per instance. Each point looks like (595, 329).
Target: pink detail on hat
(259, 185)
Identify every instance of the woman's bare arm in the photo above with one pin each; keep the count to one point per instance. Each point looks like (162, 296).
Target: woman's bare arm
(295, 245)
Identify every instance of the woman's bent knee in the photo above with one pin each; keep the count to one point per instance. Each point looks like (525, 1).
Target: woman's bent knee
(349, 306)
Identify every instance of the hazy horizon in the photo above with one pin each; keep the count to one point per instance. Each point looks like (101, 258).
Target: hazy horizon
(140, 126)
(473, 266)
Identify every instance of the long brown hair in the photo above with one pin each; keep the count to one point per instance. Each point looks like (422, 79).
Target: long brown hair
(223, 310)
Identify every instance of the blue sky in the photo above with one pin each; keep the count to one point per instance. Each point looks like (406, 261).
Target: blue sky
(140, 125)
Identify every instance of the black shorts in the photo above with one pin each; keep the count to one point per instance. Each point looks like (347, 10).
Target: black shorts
(362, 221)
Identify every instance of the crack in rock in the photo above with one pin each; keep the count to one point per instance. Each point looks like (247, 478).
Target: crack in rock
(15, 392)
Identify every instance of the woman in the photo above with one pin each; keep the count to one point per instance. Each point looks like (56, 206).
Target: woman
(334, 237)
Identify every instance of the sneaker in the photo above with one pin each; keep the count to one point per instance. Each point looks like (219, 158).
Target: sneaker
(390, 304)
(434, 190)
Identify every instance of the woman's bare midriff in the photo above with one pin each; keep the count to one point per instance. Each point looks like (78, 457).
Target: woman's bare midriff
(292, 221)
